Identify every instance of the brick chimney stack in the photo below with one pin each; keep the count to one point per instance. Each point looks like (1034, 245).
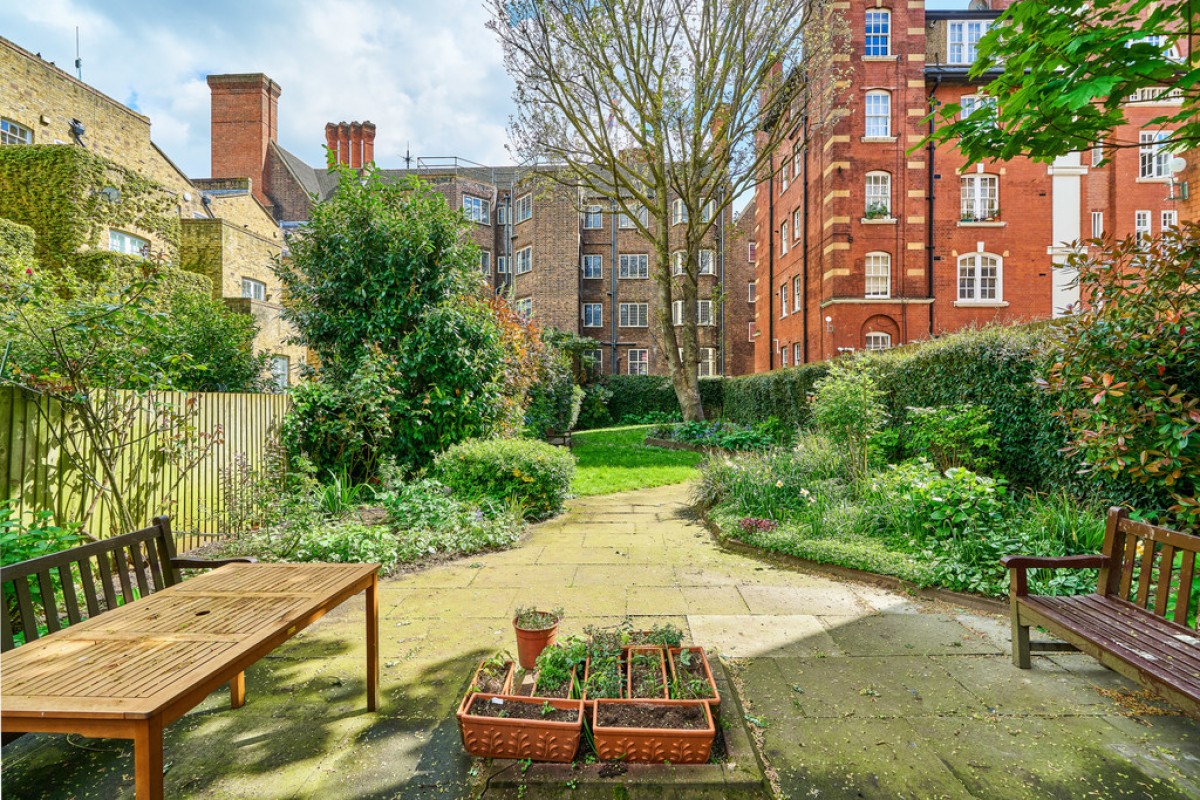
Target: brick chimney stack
(352, 143)
(244, 123)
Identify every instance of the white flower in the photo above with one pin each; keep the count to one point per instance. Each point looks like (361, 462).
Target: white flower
(778, 484)
(804, 492)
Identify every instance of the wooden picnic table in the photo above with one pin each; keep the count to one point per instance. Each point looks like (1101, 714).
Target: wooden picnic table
(129, 672)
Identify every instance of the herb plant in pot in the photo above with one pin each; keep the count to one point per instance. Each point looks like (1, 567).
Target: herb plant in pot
(535, 631)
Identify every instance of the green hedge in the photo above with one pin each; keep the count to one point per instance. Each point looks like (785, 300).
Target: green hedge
(782, 394)
(16, 248)
(535, 473)
(637, 395)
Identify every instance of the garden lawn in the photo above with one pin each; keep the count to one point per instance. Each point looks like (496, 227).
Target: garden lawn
(613, 460)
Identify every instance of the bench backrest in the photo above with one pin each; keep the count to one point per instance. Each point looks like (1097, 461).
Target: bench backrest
(1151, 567)
(40, 591)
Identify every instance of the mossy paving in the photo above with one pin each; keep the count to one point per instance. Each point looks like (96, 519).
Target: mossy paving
(851, 690)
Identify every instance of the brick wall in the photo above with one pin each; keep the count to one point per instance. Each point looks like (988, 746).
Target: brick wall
(244, 123)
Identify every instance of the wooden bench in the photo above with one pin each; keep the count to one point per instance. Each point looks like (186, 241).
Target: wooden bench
(1141, 621)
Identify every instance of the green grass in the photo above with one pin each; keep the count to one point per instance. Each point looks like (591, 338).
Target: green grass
(614, 460)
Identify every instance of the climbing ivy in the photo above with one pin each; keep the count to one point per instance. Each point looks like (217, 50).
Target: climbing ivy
(58, 191)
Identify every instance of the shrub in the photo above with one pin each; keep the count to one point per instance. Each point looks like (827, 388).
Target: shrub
(555, 399)
(722, 435)
(1127, 367)
(782, 394)
(635, 396)
(534, 474)
(778, 484)
(593, 411)
(847, 408)
(952, 436)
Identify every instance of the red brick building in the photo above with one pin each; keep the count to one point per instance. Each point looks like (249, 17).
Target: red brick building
(865, 243)
(566, 258)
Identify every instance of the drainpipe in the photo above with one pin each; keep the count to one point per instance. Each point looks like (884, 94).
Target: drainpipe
(721, 339)
(804, 256)
(612, 366)
(929, 202)
(771, 270)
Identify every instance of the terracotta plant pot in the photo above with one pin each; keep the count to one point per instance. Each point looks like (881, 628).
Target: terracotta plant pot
(537, 686)
(648, 745)
(588, 702)
(656, 654)
(530, 644)
(473, 686)
(535, 739)
(698, 653)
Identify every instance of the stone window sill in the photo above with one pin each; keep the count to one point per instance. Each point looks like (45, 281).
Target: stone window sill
(1154, 180)
(893, 57)
(981, 304)
(982, 224)
(879, 221)
(879, 139)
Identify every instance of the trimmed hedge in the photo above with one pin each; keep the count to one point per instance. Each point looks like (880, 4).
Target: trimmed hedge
(638, 395)
(535, 473)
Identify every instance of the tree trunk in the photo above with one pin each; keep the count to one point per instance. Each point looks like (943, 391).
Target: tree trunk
(683, 370)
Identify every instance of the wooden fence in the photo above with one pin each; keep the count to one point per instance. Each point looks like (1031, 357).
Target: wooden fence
(38, 475)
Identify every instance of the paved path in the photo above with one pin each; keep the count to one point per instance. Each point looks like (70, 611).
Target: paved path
(859, 692)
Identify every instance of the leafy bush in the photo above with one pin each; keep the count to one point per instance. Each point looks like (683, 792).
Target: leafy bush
(555, 400)
(1127, 367)
(216, 342)
(651, 418)
(637, 397)
(533, 474)
(593, 411)
(952, 436)
(722, 435)
(781, 393)
(847, 408)
(21, 541)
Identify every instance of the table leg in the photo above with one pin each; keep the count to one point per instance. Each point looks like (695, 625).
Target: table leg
(237, 691)
(372, 614)
(148, 759)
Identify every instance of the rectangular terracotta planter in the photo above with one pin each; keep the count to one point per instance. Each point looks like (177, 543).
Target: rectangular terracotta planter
(588, 702)
(715, 700)
(570, 686)
(652, 651)
(505, 688)
(535, 739)
(653, 745)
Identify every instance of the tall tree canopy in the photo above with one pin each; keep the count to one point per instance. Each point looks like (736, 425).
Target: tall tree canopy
(648, 102)
(1069, 71)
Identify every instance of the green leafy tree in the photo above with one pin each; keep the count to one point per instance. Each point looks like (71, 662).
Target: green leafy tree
(1127, 366)
(1069, 68)
(847, 406)
(218, 345)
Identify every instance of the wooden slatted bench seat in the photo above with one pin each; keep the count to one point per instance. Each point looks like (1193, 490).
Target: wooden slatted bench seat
(1142, 619)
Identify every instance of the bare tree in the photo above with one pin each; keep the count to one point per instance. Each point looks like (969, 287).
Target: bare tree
(647, 103)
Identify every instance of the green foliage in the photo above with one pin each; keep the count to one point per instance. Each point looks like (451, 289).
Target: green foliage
(556, 662)
(21, 541)
(534, 474)
(593, 410)
(56, 191)
(555, 400)
(218, 344)
(341, 495)
(952, 436)
(637, 398)
(1127, 367)
(616, 460)
(726, 435)
(847, 407)
(531, 619)
(16, 250)
(782, 393)
(1066, 70)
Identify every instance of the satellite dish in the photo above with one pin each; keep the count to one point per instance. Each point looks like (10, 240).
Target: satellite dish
(1177, 165)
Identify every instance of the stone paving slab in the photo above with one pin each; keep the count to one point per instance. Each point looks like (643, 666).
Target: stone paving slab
(855, 691)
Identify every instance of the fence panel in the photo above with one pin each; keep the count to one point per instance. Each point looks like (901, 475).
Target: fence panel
(37, 474)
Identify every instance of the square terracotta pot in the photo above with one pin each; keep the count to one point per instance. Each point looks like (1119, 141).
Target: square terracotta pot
(505, 688)
(535, 739)
(656, 654)
(715, 700)
(654, 745)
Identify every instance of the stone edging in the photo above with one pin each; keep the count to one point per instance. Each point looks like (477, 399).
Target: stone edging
(975, 602)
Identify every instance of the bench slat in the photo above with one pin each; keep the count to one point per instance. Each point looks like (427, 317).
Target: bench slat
(25, 606)
(1144, 530)
(1146, 574)
(7, 641)
(1128, 558)
(106, 581)
(1166, 564)
(70, 600)
(117, 557)
(1183, 598)
(89, 586)
(48, 605)
(139, 567)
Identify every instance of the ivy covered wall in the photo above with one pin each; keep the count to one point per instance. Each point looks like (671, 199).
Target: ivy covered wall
(16, 248)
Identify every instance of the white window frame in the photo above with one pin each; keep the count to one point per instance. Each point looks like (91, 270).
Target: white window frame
(877, 340)
(878, 41)
(970, 103)
(877, 114)
(1141, 225)
(592, 259)
(708, 261)
(1154, 162)
(784, 181)
(1168, 219)
(638, 361)
(678, 262)
(593, 218)
(634, 315)
(751, 291)
(254, 289)
(281, 372)
(704, 313)
(707, 365)
(980, 197)
(796, 354)
(485, 262)
(783, 356)
(523, 209)
(128, 243)
(477, 209)
(752, 251)
(679, 212)
(524, 307)
(877, 274)
(1097, 224)
(878, 194)
(797, 223)
(14, 133)
(972, 277)
(634, 266)
(625, 222)
(750, 331)
(797, 296)
(1097, 153)
(501, 214)
(962, 40)
(706, 210)
(784, 241)
(783, 301)
(593, 315)
(523, 261)
(593, 359)
(502, 265)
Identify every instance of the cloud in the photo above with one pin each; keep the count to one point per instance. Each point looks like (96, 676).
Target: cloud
(428, 74)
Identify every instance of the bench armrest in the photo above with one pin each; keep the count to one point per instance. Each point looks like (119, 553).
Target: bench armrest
(210, 563)
(1062, 562)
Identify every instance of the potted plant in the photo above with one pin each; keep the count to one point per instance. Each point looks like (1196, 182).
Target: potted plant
(556, 669)
(647, 673)
(535, 630)
(878, 211)
(507, 726)
(494, 676)
(653, 731)
(691, 676)
(666, 635)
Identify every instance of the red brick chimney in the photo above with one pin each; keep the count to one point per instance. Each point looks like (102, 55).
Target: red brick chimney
(368, 143)
(244, 123)
(352, 143)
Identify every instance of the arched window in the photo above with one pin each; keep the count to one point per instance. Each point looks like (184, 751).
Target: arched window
(878, 114)
(879, 33)
(980, 197)
(877, 341)
(878, 275)
(879, 195)
(980, 278)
